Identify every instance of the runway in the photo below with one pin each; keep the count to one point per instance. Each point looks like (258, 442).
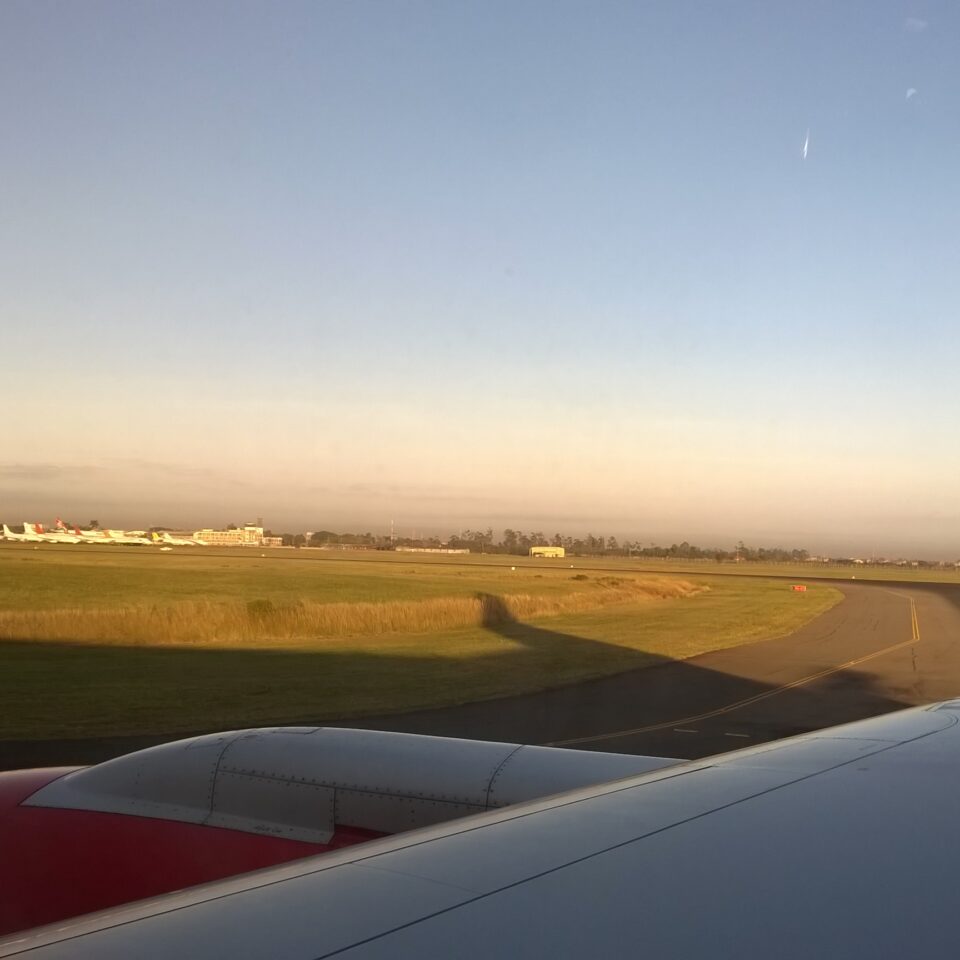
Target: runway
(885, 647)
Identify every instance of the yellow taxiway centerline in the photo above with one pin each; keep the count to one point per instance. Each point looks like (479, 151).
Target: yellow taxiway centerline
(730, 707)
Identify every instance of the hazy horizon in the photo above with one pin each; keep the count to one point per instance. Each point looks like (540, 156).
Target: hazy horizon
(418, 515)
(556, 266)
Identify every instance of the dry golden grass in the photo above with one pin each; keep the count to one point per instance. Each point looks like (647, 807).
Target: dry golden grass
(261, 622)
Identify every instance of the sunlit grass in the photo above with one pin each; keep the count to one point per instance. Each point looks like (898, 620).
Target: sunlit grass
(62, 577)
(262, 622)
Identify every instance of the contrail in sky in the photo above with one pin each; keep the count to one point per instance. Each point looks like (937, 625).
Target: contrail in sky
(806, 144)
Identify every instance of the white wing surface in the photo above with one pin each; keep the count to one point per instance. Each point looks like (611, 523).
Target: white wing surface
(839, 843)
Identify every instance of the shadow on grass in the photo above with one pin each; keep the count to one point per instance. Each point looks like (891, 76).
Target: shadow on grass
(65, 704)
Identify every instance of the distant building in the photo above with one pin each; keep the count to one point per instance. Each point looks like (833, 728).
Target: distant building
(273, 541)
(246, 536)
(431, 550)
(345, 546)
(557, 552)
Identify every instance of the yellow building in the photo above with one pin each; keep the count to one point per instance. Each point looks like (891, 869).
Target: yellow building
(248, 536)
(557, 552)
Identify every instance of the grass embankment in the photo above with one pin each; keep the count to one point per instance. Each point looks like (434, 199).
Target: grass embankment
(430, 641)
(261, 622)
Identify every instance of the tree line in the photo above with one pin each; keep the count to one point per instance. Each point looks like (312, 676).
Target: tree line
(519, 542)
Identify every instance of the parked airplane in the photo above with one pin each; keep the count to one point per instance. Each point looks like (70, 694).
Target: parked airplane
(50, 536)
(92, 536)
(118, 536)
(34, 533)
(837, 843)
(62, 533)
(110, 536)
(171, 541)
(25, 537)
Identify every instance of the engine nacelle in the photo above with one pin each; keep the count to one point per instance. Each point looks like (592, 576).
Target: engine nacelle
(300, 783)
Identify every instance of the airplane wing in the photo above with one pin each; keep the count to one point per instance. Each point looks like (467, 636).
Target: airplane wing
(842, 842)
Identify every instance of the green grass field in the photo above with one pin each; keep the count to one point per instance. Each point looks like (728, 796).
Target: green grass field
(602, 622)
(59, 576)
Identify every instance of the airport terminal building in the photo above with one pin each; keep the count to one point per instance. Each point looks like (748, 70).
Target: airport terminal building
(245, 536)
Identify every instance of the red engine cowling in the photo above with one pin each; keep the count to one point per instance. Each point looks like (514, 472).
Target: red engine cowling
(62, 863)
(76, 840)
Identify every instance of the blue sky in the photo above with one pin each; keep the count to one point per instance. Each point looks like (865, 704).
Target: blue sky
(539, 264)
